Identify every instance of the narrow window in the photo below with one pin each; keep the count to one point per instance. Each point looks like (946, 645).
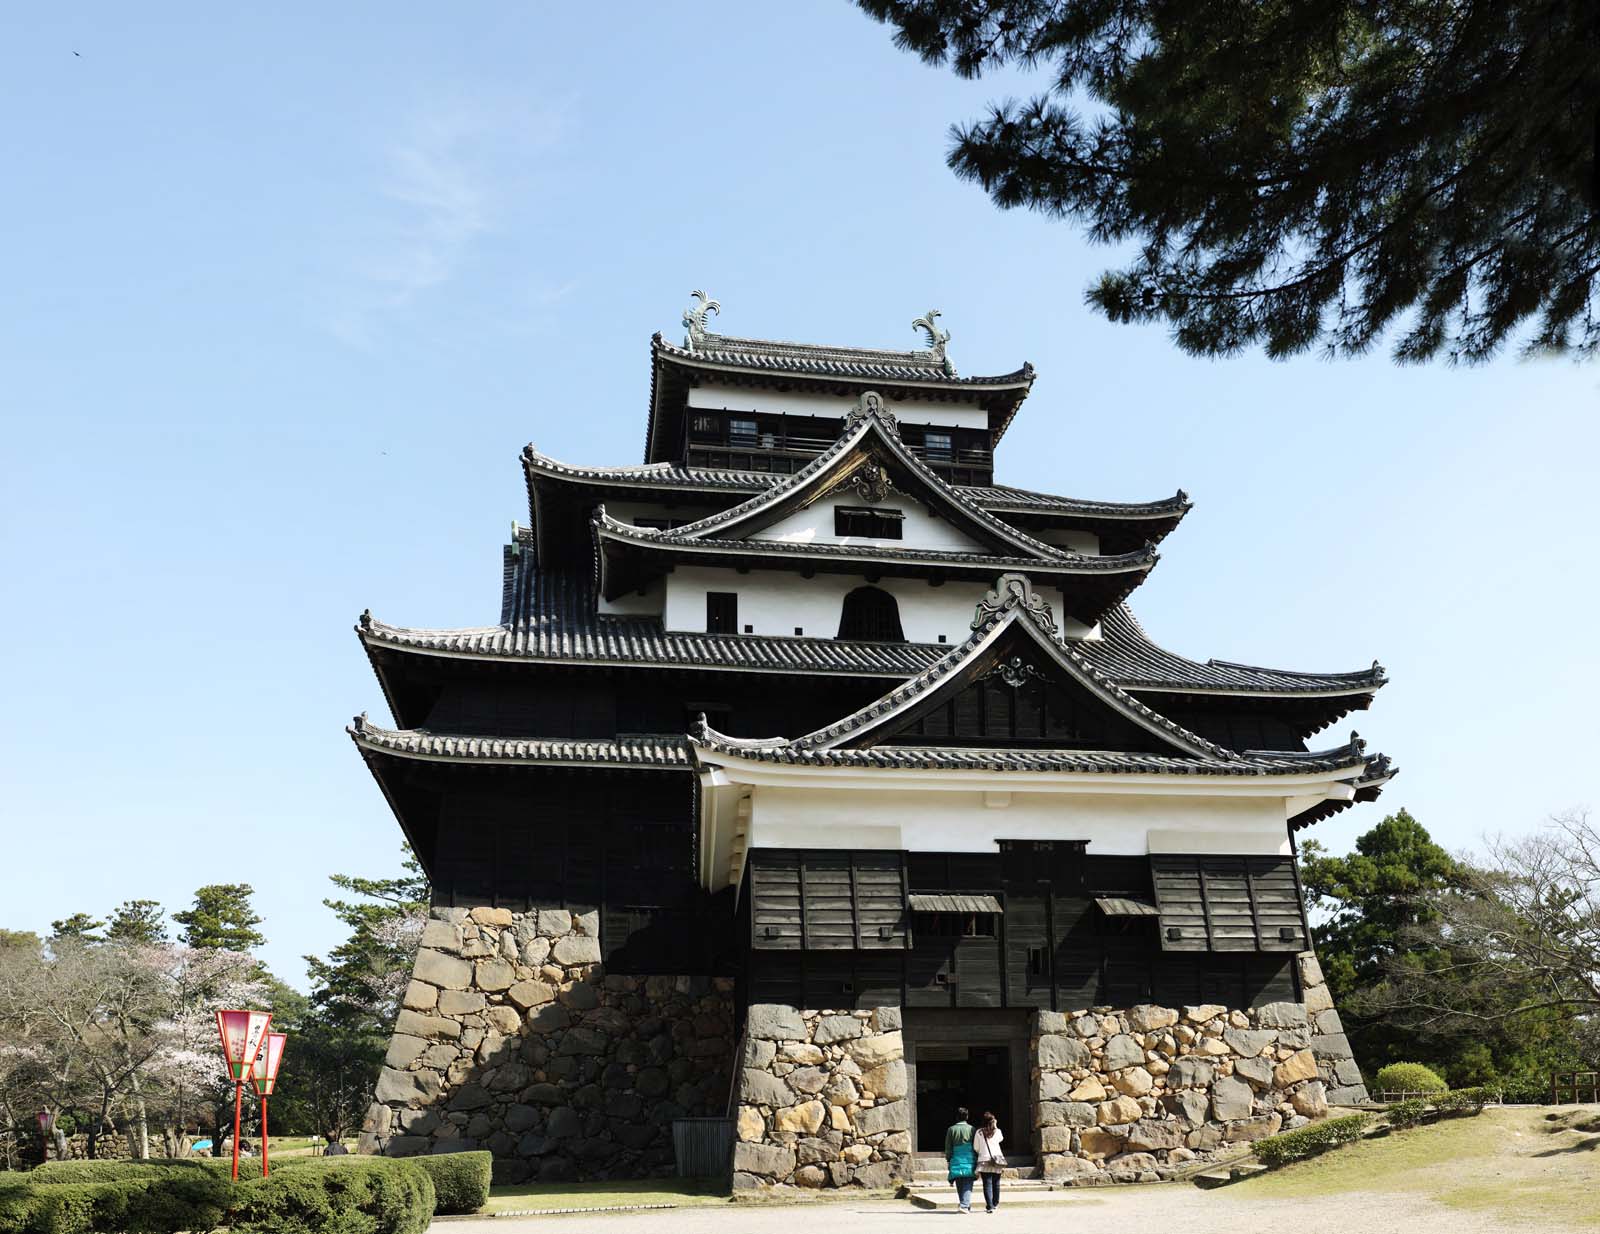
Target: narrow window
(869, 523)
(722, 612)
(1036, 961)
(742, 432)
(937, 447)
(871, 614)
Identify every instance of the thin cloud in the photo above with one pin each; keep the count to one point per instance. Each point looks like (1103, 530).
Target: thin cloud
(454, 177)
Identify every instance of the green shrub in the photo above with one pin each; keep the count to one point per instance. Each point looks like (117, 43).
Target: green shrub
(1463, 1100)
(461, 1180)
(1303, 1142)
(1407, 1113)
(365, 1196)
(1522, 1090)
(1408, 1078)
(121, 1171)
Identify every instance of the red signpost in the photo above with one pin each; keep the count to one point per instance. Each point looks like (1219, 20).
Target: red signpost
(242, 1033)
(264, 1076)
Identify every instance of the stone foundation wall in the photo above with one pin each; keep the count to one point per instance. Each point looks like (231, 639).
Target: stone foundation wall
(1124, 1096)
(821, 1099)
(512, 1038)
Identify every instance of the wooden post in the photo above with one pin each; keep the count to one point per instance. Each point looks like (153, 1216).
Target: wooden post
(264, 1138)
(238, 1104)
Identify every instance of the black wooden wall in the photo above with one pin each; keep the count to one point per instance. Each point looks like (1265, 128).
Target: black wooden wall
(1051, 947)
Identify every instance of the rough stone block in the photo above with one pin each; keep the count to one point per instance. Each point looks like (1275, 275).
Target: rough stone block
(805, 1118)
(886, 1020)
(1281, 1015)
(491, 916)
(887, 1080)
(1148, 1135)
(1058, 1166)
(1257, 1070)
(1190, 1105)
(440, 934)
(1051, 1022)
(1098, 1143)
(1246, 1042)
(763, 1088)
(1318, 998)
(445, 971)
(832, 1028)
(869, 1052)
(1203, 1013)
(807, 1080)
(1230, 1099)
(430, 1026)
(1056, 1051)
(1347, 1072)
(891, 1116)
(1146, 1018)
(1333, 1047)
(1055, 1139)
(576, 949)
(1354, 1094)
(1117, 1111)
(1133, 1082)
(1121, 1051)
(554, 922)
(420, 996)
(758, 1053)
(549, 1018)
(526, 994)
(765, 1160)
(1248, 1129)
(1191, 1073)
(460, 1002)
(774, 1022)
(751, 1127)
(878, 1176)
(403, 1051)
(1090, 1089)
(1327, 1022)
(1053, 1086)
(1298, 1066)
(1310, 1100)
(407, 1087)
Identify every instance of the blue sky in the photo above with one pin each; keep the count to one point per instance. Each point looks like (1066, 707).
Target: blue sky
(285, 293)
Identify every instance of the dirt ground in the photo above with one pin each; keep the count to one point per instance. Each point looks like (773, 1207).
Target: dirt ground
(1509, 1171)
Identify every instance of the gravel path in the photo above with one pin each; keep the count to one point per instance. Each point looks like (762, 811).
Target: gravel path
(1180, 1207)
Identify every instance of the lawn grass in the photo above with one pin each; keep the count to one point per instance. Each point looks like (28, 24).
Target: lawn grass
(1538, 1165)
(684, 1193)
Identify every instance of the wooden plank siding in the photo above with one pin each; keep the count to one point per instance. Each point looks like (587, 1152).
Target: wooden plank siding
(1218, 904)
(827, 900)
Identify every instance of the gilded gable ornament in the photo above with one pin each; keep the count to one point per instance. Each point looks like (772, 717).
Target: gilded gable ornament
(694, 318)
(1015, 672)
(1014, 591)
(872, 484)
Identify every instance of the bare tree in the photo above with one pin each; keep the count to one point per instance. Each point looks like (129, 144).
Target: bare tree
(1520, 936)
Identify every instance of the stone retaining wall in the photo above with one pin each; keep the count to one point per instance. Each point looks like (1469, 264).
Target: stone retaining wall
(822, 1099)
(513, 1039)
(1124, 1096)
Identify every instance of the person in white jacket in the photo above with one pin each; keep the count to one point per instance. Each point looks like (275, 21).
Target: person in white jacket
(986, 1148)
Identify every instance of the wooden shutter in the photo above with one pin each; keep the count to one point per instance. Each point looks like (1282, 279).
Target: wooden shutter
(775, 901)
(1224, 903)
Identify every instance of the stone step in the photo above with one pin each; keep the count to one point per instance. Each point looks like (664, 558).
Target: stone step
(1229, 1174)
(1009, 1174)
(944, 1199)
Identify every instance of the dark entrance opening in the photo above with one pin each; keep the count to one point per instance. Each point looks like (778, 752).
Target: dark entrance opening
(951, 1076)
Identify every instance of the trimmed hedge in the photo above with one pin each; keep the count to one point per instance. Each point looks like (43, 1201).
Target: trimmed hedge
(461, 1180)
(364, 1196)
(1407, 1113)
(1522, 1091)
(1305, 1141)
(1408, 1078)
(120, 1171)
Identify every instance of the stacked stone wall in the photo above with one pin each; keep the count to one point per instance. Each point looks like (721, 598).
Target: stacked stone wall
(514, 1039)
(1128, 1095)
(822, 1099)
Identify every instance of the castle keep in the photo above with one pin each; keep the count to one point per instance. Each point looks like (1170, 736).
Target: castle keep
(813, 779)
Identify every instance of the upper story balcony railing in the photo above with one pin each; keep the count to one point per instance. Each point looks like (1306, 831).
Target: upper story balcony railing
(783, 453)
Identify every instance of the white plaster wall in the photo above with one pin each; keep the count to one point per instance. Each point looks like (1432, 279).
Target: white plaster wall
(814, 525)
(962, 822)
(650, 604)
(792, 403)
(775, 602)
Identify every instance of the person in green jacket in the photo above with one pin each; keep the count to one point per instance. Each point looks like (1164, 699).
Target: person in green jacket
(963, 1163)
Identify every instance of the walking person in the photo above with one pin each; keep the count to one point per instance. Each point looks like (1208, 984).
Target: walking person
(990, 1160)
(958, 1152)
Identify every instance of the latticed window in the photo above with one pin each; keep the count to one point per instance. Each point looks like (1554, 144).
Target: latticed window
(871, 614)
(868, 523)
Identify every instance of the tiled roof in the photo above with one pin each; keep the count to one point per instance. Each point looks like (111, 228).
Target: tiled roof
(1056, 563)
(962, 758)
(873, 426)
(1126, 653)
(671, 477)
(1012, 602)
(813, 360)
(643, 752)
(550, 616)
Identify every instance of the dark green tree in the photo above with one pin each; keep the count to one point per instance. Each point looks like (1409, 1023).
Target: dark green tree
(363, 977)
(1307, 172)
(137, 922)
(1368, 899)
(222, 916)
(80, 926)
